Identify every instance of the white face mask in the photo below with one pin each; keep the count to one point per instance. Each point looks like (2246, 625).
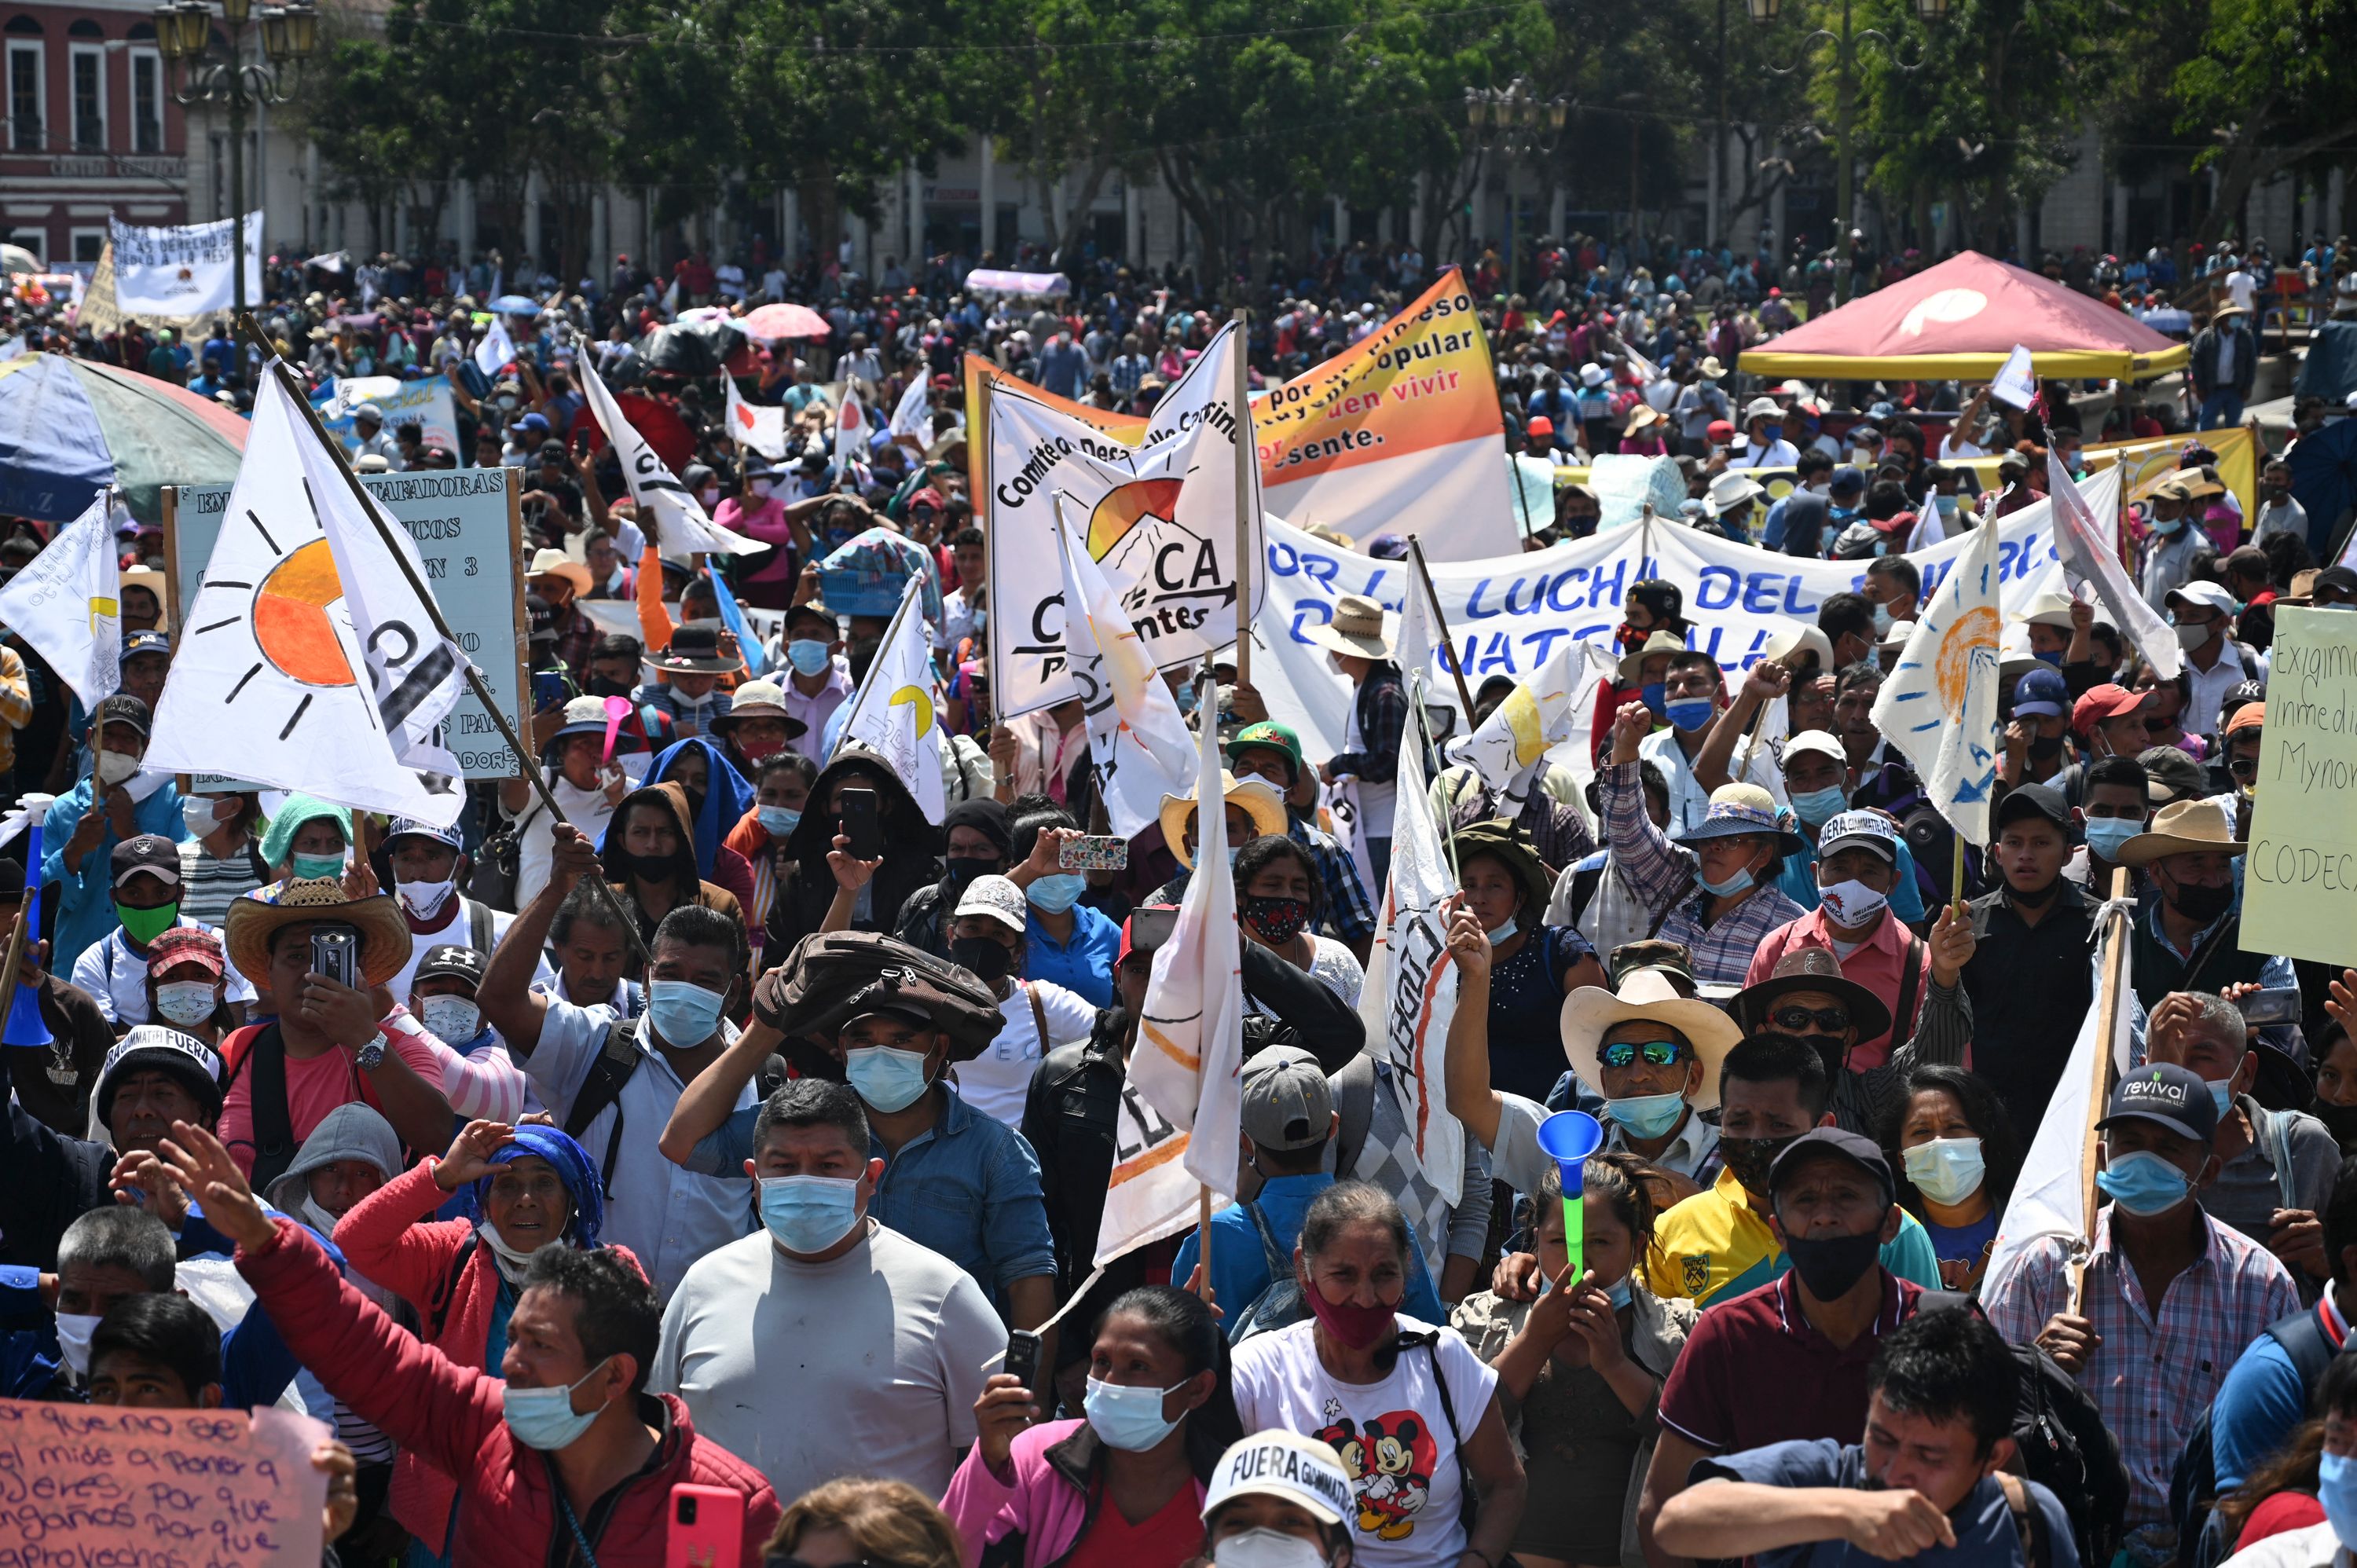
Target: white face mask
(453, 1020)
(186, 1002)
(197, 812)
(74, 1329)
(1268, 1549)
(425, 898)
(114, 767)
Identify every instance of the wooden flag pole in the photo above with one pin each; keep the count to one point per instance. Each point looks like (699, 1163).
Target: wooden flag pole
(475, 682)
(1207, 712)
(1247, 453)
(2099, 1086)
(1440, 625)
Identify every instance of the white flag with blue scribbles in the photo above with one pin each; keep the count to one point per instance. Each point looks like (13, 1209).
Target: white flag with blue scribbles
(1939, 707)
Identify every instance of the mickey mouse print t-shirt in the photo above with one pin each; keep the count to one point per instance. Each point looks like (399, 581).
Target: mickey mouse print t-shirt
(1394, 1436)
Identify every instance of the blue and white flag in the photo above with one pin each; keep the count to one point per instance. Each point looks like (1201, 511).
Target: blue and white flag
(732, 617)
(1939, 707)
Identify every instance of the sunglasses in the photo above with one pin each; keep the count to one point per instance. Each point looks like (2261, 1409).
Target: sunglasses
(1657, 1053)
(1792, 1020)
(2243, 767)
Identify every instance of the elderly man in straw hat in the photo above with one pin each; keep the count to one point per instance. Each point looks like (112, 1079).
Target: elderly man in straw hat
(327, 1046)
(1652, 1054)
(1358, 642)
(2188, 938)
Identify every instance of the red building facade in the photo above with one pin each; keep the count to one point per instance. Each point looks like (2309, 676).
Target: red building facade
(87, 127)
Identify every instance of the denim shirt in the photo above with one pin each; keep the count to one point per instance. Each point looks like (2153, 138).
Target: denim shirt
(969, 1189)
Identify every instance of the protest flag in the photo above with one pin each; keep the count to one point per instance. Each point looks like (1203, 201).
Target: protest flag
(495, 351)
(1185, 1069)
(2017, 379)
(681, 527)
(761, 426)
(732, 617)
(67, 604)
(312, 660)
(892, 713)
(2089, 557)
(1930, 528)
(1545, 711)
(851, 428)
(2054, 1195)
(910, 421)
(1939, 707)
(1137, 741)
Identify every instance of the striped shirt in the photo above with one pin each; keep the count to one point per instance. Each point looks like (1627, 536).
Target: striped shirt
(1661, 874)
(2154, 1372)
(209, 881)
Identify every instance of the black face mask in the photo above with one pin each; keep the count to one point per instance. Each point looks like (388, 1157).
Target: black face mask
(2200, 903)
(1749, 1159)
(602, 686)
(2045, 747)
(2340, 1121)
(2034, 897)
(1829, 1265)
(962, 869)
(647, 868)
(986, 958)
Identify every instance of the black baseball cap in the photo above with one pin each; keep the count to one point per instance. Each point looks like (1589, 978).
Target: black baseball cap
(453, 960)
(1835, 1143)
(150, 855)
(123, 708)
(2163, 1092)
(2033, 800)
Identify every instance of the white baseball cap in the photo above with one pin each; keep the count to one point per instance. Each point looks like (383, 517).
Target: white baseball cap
(997, 898)
(1277, 1464)
(1818, 741)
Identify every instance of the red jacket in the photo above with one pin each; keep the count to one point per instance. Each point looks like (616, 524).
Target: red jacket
(391, 1238)
(450, 1415)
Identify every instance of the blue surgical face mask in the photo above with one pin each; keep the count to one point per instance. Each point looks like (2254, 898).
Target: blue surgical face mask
(1057, 893)
(1741, 882)
(1946, 1170)
(777, 821)
(1647, 1115)
(1818, 807)
(1881, 621)
(316, 865)
(809, 656)
(1619, 1292)
(1184, 697)
(2144, 1184)
(544, 1418)
(808, 1214)
(2051, 656)
(2105, 835)
(2336, 1489)
(1655, 693)
(1772, 432)
(1688, 713)
(1129, 1419)
(888, 1079)
(2166, 526)
(2222, 1093)
(683, 1013)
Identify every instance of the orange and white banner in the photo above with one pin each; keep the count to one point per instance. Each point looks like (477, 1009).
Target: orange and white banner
(1399, 434)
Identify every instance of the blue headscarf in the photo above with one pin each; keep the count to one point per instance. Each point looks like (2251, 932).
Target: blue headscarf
(726, 798)
(572, 1168)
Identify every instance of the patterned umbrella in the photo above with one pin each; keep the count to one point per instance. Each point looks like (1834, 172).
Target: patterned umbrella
(69, 427)
(772, 322)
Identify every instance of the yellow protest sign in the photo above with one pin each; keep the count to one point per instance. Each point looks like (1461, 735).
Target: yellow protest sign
(2300, 883)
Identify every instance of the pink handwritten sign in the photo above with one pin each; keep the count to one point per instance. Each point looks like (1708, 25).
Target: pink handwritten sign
(106, 1486)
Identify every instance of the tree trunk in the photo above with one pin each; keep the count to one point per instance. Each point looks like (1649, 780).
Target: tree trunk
(1076, 220)
(822, 209)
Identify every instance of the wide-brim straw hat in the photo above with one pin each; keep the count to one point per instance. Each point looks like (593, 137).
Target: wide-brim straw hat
(1263, 804)
(1590, 1012)
(2189, 827)
(300, 900)
(1360, 627)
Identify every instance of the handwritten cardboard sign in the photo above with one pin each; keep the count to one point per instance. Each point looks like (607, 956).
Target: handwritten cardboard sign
(107, 1486)
(2299, 884)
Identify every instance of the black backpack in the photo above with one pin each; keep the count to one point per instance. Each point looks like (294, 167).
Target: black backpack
(2065, 1446)
(618, 1058)
(2193, 1484)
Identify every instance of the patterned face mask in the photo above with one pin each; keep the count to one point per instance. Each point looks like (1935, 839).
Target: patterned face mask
(1276, 919)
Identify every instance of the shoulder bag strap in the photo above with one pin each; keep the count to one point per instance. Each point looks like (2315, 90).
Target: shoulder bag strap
(1267, 1240)
(1684, 887)
(2028, 1521)
(1468, 1503)
(1911, 980)
(1039, 1014)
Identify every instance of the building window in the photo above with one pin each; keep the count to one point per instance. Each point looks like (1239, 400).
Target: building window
(147, 101)
(36, 241)
(89, 66)
(27, 97)
(87, 244)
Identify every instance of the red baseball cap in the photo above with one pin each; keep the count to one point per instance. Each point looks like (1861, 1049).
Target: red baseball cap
(1540, 425)
(2100, 702)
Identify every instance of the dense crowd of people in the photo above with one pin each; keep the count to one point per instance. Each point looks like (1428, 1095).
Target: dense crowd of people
(679, 1142)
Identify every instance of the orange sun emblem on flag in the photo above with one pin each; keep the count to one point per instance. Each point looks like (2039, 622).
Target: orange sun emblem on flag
(1973, 632)
(1124, 507)
(290, 618)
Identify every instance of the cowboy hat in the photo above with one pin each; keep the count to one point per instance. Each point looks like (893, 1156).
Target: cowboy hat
(2189, 827)
(301, 900)
(758, 700)
(1512, 846)
(1633, 666)
(1811, 968)
(1360, 627)
(1646, 996)
(1732, 489)
(1710, 370)
(557, 564)
(1259, 801)
(695, 650)
(1643, 414)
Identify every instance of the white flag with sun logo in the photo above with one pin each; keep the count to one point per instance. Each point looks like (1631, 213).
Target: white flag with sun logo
(1939, 707)
(892, 713)
(301, 592)
(1137, 741)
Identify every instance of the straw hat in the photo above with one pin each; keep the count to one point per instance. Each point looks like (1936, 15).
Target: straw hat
(1647, 995)
(1262, 803)
(1634, 665)
(1360, 627)
(557, 564)
(2189, 827)
(300, 900)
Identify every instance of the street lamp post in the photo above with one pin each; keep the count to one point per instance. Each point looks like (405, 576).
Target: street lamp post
(1515, 121)
(184, 34)
(1847, 42)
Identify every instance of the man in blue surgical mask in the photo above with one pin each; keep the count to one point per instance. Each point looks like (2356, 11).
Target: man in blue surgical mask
(813, 1313)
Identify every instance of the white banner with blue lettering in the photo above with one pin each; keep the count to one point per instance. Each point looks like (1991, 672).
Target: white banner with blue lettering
(1506, 615)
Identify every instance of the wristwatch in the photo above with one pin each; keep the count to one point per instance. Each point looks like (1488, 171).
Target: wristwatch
(371, 1056)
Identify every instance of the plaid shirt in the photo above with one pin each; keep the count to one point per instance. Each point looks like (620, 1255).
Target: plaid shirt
(1383, 728)
(1349, 918)
(1661, 874)
(2150, 1379)
(577, 634)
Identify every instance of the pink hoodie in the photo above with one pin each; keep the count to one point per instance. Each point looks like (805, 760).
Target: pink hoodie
(1046, 1502)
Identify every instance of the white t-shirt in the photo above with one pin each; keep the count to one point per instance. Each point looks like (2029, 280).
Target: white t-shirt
(587, 809)
(2313, 1547)
(117, 978)
(867, 1365)
(994, 1082)
(1394, 1436)
(458, 931)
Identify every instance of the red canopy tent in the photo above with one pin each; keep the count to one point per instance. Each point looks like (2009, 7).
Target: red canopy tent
(1959, 319)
